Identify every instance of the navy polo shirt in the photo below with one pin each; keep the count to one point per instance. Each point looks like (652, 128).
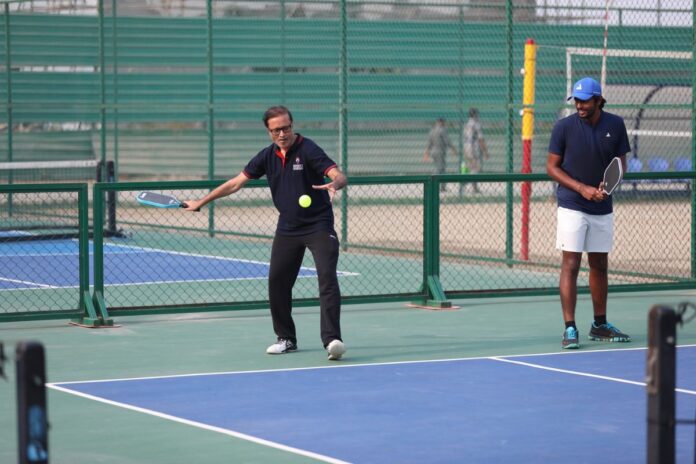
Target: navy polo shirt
(586, 151)
(292, 176)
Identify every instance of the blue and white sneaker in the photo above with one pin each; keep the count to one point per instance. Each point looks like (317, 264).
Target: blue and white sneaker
(571, 339)
(607, 333)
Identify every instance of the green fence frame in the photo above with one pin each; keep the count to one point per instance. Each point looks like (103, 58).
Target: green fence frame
(84, 310)
(91, 304)
(431, 292)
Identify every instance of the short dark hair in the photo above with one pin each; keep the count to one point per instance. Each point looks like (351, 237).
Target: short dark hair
(275, 111)
(473, 112)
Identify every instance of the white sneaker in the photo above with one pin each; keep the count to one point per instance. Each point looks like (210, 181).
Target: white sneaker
(336, 349)
(282, 346)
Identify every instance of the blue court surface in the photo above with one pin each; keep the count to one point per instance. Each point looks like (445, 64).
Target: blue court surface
(579, 407)
(54, 264)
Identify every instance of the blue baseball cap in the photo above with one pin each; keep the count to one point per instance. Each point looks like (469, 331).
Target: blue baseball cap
(586, 88)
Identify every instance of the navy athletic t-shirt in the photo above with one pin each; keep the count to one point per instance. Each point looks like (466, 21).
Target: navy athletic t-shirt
(586, 151)
(304, 165)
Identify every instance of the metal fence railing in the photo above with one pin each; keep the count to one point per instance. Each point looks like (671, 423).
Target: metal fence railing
(402, 239)
(44, 252)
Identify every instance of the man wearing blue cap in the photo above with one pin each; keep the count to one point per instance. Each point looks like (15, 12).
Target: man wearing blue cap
(582, 146)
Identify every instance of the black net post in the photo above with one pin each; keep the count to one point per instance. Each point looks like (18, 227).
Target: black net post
(32, 421)
(111, 200)
(106, 173)
(2, 361)
(661, 380)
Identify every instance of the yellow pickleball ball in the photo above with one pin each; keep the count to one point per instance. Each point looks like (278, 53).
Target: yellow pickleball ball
(305, 201)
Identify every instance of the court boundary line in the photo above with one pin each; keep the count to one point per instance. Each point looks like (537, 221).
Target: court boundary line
(146, 250)
(271, 444)
(212, 428)
(219, 258)
(26, 282)
(136, 284)
(343, 366)
(584, 374)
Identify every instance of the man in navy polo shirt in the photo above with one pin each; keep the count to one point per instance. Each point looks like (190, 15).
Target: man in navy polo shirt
(581, 147)
(296, 166)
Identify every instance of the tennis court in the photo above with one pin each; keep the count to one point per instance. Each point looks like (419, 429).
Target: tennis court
(485, 383)
(30, 265)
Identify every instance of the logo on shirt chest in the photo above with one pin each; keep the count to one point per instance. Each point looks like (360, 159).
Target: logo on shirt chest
(297, 165)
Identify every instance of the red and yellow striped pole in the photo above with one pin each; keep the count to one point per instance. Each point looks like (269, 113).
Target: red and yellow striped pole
(527, 135)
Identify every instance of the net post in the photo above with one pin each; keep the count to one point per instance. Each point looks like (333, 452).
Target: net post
(110, 201)
(2, 361)
(660, 381)
(106, 172)
(32, 421)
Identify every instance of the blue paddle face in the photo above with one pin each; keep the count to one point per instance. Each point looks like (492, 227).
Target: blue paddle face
(613, 175)
(158, 200)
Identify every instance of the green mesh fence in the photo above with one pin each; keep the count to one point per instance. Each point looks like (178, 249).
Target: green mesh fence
(175, 90)
(44, 262)
(402, 239)
(172, 260)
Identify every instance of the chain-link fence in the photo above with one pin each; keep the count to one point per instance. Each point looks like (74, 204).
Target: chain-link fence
(44, 255)
(402, 239)
(176, 90)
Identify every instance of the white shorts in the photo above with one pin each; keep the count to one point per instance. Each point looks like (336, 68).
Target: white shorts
(577, 231)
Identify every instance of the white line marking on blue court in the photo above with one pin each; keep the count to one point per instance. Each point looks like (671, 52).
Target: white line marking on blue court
(211, 428)
(322, 457)
(344, 366)
(26, 282)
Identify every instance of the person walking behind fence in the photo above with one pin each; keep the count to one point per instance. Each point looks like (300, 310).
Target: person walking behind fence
(475, 149)
(582, 145)
(436, 150)
(295, 168)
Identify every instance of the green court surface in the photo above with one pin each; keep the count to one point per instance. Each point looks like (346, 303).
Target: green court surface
(85, 431)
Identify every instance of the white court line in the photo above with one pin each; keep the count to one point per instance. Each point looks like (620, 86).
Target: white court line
(584, 374)
(200, 425)
(57, 386)
(346, 366)
(26, 282)
(137, 249)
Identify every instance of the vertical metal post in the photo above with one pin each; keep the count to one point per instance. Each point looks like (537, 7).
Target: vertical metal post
(527, 136)
(460, 86)
(343, 118)
(114, 53)
(32, 416)
(102, 91)
(509, 198)
(282, 51)
(98, 238)
(660, 384)
(8, 71)
(211, 112)
(83, 243)
(94, 309)
(433, 294)
(10, 123)
(693, 144)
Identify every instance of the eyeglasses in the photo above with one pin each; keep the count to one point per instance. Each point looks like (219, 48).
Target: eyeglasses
(277, 131)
